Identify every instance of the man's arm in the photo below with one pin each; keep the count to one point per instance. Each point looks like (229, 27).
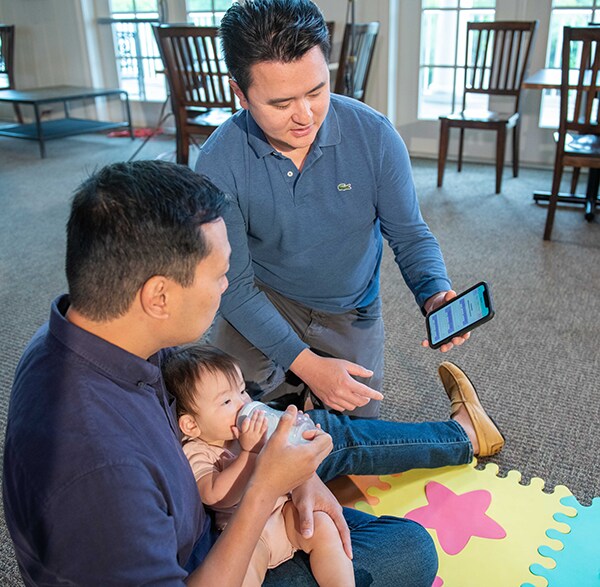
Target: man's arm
(416, 250)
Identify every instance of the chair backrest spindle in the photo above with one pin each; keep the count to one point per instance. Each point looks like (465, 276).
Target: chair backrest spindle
(194, 66)
(497, 57)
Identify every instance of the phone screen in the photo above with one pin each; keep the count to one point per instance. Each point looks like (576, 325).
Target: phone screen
(459, 314)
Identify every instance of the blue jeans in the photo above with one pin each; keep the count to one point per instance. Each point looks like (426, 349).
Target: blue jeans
(387, 550)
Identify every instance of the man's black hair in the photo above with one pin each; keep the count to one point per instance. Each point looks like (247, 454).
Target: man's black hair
(256, 31)
(131, 221)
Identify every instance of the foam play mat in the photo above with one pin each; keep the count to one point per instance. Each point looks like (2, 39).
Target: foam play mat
(489, 531)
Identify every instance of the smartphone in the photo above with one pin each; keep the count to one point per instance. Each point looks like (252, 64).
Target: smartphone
(466, 311)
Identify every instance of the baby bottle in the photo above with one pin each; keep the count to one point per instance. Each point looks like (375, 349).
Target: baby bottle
(303, 422)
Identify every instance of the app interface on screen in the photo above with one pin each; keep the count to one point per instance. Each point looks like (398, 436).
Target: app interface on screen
(457, 316)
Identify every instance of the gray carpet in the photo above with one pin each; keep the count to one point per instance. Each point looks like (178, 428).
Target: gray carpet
(536, 364)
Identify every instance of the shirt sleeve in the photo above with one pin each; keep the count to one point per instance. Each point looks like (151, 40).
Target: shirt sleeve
(127, 538)
(243, 305)
(416, 250)
(204, 459)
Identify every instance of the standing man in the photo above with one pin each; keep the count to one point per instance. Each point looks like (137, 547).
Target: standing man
(317, 181)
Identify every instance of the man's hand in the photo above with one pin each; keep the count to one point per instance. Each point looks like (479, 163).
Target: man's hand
(281, 466)
(332, 382)
(251, 435)
(312, 496)
(434, 302)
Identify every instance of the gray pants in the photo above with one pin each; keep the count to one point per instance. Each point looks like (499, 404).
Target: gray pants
(356, 336)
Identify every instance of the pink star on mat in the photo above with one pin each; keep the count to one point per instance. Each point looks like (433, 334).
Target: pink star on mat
(456, 518)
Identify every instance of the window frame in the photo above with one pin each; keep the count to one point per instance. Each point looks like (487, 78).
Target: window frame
(456, 64)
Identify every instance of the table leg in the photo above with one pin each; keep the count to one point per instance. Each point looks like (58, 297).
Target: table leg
(40, 131)
(128, 111)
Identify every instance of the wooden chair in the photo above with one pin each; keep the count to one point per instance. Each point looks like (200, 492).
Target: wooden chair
(576, 170)
(201, 98)
(578, 137)
(356, 57)
(331, 29)
(7, 71)
(496, 62)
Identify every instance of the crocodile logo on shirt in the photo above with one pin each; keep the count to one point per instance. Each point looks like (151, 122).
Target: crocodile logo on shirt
(344, 187)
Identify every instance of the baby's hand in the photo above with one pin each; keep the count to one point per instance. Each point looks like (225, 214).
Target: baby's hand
(251, 435)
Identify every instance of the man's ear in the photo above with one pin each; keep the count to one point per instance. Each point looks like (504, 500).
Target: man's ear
(154, 296)
(188, 426)
(240, 95)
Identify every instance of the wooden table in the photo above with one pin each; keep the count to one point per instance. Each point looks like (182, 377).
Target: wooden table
(42, 131)
(550, 79)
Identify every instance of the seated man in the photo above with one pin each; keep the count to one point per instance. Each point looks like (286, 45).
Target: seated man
(97, 489)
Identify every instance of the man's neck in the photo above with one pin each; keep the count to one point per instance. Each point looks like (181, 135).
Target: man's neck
(122, 332)
(297, 156)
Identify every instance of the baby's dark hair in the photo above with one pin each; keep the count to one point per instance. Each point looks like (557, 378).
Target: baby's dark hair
(186, 365)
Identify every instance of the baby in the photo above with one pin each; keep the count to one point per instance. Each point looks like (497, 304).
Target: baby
(210, 391)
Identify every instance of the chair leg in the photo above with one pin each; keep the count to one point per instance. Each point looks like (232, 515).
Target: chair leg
(443, 150)
(516, 145)
(461, 140)
(500, 154)
(558, 169)
(575, 179)
(185, 150)
(592, 194)
(182, 147)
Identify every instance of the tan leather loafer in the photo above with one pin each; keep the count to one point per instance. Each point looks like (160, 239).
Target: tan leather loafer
(461, 391)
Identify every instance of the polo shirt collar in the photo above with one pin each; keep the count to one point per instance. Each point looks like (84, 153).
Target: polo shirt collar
(105, 356)
(329, 134)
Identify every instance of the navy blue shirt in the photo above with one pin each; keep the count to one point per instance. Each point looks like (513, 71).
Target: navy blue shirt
(97, 490)
(316, 235)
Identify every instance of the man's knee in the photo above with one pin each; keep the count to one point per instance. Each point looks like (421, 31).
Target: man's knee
(394, 551)
(416, 553)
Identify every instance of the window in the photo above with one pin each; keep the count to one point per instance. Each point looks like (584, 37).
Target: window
(207, 12)
(564, 13)
(138, 59)
(442, 56)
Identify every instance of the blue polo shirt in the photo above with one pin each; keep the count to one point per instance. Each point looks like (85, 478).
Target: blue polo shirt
(315, 236)
(97, 490)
